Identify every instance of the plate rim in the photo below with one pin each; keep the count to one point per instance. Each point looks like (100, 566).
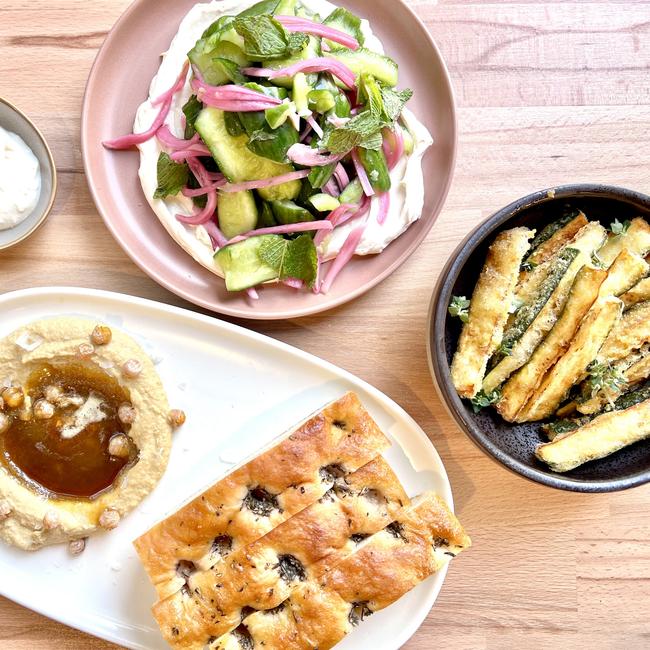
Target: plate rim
(437, 357)
(257, 312)
(63, 292)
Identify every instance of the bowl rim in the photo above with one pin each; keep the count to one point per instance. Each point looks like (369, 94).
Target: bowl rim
(260, 313)
(436, 339)
(48, 151)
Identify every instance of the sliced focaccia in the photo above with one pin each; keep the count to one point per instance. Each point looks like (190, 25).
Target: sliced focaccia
(319, 613)
(266, 491)
(489, 309)
(263, 574)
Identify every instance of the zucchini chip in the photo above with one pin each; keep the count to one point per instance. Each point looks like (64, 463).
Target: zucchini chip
(522, 336)
(599, 438)
(518, 389)
(572, 367)
(554, 237)
(630, 334)
(640, 292)
(488, 311)
(626, 270)
(625, 373)
(635, 239)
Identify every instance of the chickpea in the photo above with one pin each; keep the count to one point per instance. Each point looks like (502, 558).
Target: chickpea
(126, 413)
(85, 350)
(101, 335)
(76, 546)
(132, 368)
(118, 446)
(53, 393)
(43, 410)
(13, 396)
(176, 418)
(51, 520)
(5, 423)
(109, 519)
(25, 414)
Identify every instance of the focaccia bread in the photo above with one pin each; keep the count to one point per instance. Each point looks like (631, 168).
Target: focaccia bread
(266, 491)
(263, 574)
(319, 613)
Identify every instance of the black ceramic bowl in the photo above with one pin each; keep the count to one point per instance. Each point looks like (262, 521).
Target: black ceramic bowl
(513, 445)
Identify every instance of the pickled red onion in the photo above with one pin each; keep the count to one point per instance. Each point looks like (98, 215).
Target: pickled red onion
(317, 64)
(384, 206)
(344, 256)
(302, 154)
(361, 173)
(286, 229)
(295, 24)
(266, 182)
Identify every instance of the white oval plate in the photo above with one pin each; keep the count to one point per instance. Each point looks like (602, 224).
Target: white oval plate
(240, 390)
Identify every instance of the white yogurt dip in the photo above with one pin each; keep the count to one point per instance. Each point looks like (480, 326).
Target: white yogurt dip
(20, 180)
(405, 206)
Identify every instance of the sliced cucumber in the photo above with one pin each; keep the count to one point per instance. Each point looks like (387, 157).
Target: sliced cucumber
(324, 202)
(301, 90)
(237, 213)
(278, 115)
(211, 56)
(274, 143)
(287, 212)
(352, 193)
(236, 161)
(286, 8)
(266, 218)
(318, 176)
(362, 60)
(409, 143)
(242, 266)
(374, 162)
(344, 21)
(320, 101)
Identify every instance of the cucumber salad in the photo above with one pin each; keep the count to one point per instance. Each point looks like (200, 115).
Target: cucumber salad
(275, 139)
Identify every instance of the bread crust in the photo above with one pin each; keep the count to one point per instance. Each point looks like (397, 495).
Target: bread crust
(263, 493)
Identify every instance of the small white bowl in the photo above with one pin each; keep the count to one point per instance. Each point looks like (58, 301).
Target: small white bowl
(14, 120)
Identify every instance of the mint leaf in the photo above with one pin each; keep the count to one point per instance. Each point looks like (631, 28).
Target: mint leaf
(364, 130)
(370, 95)
(171, 176)
(264, 37)
(296, 42)
(619, 228)
(394, 101)
(459, 308)
(191, 110)
(291, 258)
(481, 400)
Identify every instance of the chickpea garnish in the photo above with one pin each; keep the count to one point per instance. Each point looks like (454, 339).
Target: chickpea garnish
(126, 414)
(132, 368)
(43, 410)
(109, 519)
(118, 446)
(13, 396)
(85, 350)
(101, 335)
(51, 520)
(25, 414)
(53, 393)
(176, 418)
(76, 546)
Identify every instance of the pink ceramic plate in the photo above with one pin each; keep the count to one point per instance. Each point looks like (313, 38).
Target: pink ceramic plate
(119, 82)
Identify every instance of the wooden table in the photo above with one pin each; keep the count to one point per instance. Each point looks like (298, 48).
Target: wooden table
(548, 93)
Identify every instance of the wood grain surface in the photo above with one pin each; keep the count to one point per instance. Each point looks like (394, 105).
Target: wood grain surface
(548, 93)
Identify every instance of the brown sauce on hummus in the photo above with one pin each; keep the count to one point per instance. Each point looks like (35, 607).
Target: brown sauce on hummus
(79, 465)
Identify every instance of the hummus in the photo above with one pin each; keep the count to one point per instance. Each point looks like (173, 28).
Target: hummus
(405, 207)
(84, 431)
